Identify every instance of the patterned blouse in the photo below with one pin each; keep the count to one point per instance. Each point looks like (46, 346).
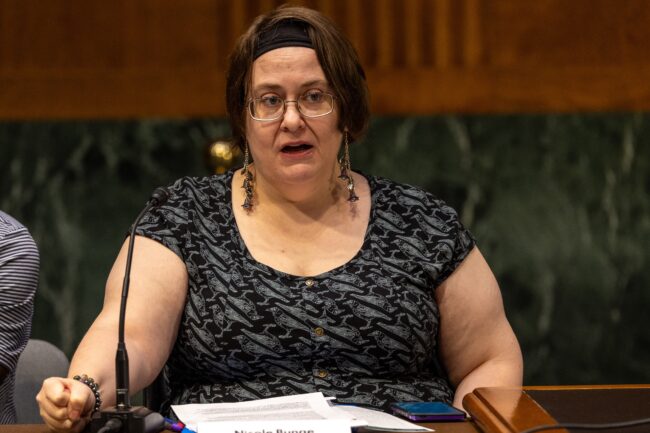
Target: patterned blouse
(364, 332)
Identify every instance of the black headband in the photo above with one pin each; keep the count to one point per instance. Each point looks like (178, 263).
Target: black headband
(288, 33)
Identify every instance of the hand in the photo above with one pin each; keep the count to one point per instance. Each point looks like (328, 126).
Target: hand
(66, 404)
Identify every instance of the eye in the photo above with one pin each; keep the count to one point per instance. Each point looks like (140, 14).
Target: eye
(313, 96)
(270, 100)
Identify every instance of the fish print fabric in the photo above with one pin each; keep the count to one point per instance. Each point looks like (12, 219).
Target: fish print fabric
(364, 332)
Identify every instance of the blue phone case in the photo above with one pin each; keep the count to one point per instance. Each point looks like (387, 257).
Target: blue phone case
(427, 411)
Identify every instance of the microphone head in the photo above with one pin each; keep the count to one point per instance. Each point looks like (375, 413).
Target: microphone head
(159, 196)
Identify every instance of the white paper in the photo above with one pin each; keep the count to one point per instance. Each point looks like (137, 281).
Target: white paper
(378, 420)
(304, 426)
(312, 406)
(270, 414)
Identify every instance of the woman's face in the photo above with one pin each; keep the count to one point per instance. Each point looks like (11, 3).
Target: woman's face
(293, 148)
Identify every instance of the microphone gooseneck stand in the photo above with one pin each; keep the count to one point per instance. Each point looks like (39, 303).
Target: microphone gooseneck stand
(124, 418)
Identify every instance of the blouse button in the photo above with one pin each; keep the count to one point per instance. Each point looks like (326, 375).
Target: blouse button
(309, 282)
(322, 374)
(319, 331)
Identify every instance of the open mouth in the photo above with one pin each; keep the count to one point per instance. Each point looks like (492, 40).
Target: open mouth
(296, 148)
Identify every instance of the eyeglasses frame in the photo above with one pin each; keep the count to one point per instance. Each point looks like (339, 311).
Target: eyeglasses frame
(284, 108)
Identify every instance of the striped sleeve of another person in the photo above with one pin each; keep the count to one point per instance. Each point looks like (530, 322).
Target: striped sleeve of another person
(19, 270)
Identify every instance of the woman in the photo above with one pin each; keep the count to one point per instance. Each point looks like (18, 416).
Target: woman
(297, 274)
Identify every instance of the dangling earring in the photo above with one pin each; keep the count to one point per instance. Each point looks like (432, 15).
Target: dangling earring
(346, 172)
(248, 182)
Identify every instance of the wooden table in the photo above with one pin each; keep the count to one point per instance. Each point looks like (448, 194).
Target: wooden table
(512, 410)
(507, 410)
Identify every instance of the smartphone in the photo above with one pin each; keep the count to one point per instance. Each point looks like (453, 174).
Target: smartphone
(427, 411)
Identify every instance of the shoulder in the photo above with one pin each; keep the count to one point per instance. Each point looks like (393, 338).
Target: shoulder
(191, 196)
(186, 186)
(410, 202)
(17, 247)
(205, 191)
(9, 225)
(12, 231)
(421, 225)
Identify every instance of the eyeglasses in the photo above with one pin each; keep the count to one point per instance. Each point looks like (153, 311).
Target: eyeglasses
(314, 103)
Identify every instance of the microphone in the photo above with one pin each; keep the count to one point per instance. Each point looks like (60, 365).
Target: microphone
(122, 417)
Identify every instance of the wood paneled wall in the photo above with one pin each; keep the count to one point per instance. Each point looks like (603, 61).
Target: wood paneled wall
(142, 58)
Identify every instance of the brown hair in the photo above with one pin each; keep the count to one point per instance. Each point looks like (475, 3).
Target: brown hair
(336, 56)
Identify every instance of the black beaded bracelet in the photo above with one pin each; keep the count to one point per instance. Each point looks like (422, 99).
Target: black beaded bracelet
(90, 382)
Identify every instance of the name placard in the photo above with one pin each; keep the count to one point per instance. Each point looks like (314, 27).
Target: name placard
(276, 426)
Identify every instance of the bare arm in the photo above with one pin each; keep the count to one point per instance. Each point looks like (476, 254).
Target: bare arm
(477, 344)
(154, 308)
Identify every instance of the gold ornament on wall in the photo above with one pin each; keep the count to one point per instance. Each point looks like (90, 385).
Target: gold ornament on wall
(221, 155)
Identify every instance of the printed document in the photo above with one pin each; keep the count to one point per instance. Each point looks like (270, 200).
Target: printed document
(293, 408)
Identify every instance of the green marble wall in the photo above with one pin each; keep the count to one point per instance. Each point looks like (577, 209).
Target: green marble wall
(559, 205)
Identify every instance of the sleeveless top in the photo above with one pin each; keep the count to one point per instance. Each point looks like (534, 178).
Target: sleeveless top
(364, 332)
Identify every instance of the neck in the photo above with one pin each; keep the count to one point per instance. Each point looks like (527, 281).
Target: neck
(309, 198)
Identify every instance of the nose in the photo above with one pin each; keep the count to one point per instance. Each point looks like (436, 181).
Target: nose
(292, 119)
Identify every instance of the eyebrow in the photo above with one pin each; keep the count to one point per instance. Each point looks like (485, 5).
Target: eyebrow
(275, 87)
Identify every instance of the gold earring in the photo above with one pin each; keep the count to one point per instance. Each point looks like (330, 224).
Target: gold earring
(346, 172)
(248, 182)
